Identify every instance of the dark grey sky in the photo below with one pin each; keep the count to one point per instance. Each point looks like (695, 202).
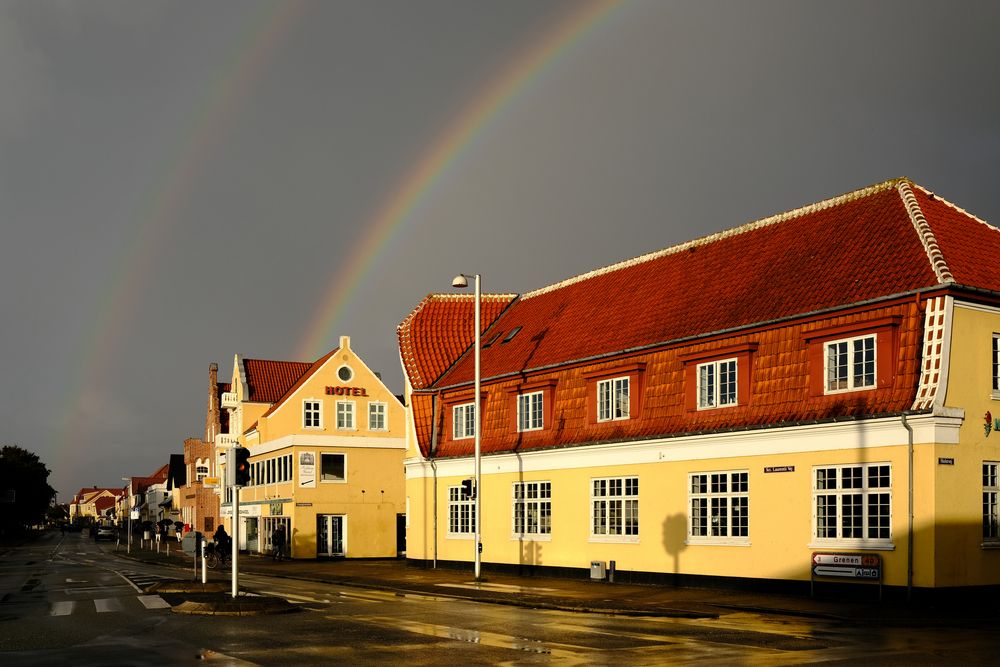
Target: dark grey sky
(181, 181)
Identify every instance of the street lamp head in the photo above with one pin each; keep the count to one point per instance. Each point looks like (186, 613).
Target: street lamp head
(460, 281)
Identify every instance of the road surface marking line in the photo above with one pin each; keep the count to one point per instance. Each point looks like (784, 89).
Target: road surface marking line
(64, 608)
(104, 605)
(153, 602)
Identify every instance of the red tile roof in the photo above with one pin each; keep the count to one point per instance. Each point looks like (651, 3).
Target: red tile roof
(440, 329)
(855, 248)
(312, 368)
(267, 381)
(840, 262)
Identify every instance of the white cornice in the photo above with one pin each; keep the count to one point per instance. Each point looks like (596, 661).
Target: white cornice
(862, 435)
(339, 441)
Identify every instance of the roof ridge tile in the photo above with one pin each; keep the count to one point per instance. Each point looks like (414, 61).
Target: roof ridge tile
(926, 234)
(711, 238)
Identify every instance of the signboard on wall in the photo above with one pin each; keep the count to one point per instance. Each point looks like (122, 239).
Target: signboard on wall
(307, 470)
(850, 566)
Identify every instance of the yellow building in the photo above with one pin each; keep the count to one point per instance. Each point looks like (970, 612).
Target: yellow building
(773, 402)
(326, 463)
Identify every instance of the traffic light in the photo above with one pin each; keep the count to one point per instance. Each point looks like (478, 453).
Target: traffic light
(241, 466)
(468, 488)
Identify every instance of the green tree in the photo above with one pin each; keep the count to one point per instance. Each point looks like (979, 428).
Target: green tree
(25, 493)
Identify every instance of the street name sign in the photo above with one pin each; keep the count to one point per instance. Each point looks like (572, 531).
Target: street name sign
(849, 566)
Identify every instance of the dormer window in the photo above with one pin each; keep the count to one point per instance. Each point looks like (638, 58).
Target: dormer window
(850, 364)
(530, 411)
(613, 399)
(717, 384)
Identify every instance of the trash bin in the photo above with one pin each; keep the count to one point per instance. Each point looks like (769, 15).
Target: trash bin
(598, 570)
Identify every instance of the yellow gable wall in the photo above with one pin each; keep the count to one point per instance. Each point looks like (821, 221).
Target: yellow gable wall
(372, 493)
(958, 497)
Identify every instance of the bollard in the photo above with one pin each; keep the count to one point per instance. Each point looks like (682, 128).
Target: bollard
(611, 572)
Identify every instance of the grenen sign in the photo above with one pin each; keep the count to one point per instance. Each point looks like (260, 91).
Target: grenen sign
(852, 566)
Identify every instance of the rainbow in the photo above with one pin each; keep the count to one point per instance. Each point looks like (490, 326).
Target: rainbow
(225, 90)
(441, 153)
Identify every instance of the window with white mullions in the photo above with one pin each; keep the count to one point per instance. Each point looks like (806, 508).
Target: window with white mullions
(529, 411)
(613, 399)
(311, 414)
(996, 365)
(614, 506)
(532, 509)
(850, 364)
(717, 384)
(463, 421)
(991, 513)
(461, 513)
(345, 414)
(376, 416)
(853, 503)
(720, 505)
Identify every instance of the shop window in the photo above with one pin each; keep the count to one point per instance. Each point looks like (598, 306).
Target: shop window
(852, 504)
(720, 507)
(333, 468)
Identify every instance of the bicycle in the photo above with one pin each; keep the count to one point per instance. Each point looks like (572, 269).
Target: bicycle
(216, 557)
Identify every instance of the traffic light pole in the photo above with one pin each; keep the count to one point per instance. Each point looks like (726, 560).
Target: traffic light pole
(236, 538)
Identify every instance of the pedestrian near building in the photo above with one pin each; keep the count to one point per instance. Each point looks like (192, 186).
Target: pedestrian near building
(278, 542)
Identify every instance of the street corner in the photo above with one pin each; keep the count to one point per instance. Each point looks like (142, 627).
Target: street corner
(221, 603)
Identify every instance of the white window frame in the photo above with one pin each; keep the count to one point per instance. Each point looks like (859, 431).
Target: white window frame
(719, 507)
(320, 470)
(531, 411)
(345, 416)
(614, 505)
(850, 365)
(991, 504)
(995, 366)
(312, 410)
(849, 492)
(613, 399)
(463, 421)
(461, 515)
(711, 395)
(380, 411)
(531, 511)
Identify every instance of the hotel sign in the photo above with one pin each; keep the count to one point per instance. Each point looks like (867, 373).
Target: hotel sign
(346, 391)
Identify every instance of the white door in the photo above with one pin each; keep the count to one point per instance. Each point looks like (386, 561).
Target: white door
(329, 535)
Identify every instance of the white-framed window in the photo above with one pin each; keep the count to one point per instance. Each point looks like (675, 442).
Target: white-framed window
(200, 470)
(376, 416)
(850, 364)
(529, 411)
(852, 504)
(717, 384)
(345, 415)
(720, 507)
(614, 508)
(996, 365)
(332, 467)
(461, 513)
(311, 414)
(991, 493)
(612, 399)
(532, 509)
(463, 421)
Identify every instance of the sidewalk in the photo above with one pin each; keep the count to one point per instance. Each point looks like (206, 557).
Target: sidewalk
(583, 595)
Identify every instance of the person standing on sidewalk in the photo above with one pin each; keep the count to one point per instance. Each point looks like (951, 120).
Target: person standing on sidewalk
(278, 542)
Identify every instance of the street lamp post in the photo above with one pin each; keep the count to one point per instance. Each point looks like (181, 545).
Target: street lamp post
(461, 280)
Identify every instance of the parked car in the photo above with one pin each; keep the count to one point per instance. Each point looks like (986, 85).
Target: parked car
(104, 533)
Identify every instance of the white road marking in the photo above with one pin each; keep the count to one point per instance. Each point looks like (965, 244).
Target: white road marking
(64, 608)
(153, 602)
(499, 588)
(104, 605)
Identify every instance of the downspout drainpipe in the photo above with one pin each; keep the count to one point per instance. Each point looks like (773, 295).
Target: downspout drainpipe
(433, 453)
(909, 523)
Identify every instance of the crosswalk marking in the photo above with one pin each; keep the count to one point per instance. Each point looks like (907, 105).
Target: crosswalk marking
(64, 608)
(153, 602)
(104, 605)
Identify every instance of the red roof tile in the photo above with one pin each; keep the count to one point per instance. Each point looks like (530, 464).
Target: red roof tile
(440, 329)
(267, 381)
(312, 368)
